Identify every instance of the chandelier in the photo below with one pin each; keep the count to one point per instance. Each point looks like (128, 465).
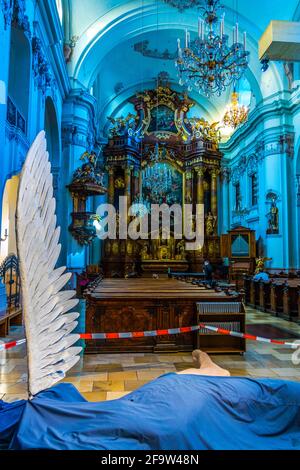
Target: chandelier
(208, 63)
(235, 114)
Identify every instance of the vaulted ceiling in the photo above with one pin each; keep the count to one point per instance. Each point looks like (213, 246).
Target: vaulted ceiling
(108, 57)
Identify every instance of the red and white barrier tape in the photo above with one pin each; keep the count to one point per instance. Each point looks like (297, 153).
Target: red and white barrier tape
(168, 332)
(12, 344)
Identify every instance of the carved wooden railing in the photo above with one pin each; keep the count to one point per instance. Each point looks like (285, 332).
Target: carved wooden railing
(10, 273)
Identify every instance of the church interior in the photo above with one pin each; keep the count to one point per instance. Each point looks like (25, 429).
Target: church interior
(193, 103)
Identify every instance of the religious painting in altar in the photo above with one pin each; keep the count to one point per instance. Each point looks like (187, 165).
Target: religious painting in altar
(161, 184)
(162, 118)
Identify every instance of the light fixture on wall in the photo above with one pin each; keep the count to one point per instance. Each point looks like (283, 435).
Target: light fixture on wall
(208, 63)
(236, 114)
(5, 236)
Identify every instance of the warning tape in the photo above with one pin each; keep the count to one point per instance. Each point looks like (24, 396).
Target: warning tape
(12, 344)
(167, 332)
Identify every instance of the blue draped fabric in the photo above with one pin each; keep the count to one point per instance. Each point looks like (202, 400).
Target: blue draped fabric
(174, 412)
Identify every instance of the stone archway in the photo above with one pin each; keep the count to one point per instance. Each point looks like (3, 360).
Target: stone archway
(9, 204)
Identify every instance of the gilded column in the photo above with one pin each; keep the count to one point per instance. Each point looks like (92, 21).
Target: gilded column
(188, 187)
(128, 171)
(136, 176)
(214, 194)
(111, 185)
(200, 185)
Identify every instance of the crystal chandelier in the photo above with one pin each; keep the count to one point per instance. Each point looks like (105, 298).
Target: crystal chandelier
(208, 63)
(235, 114)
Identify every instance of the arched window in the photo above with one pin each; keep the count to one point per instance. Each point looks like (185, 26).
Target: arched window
(19, 80)
(60, 9)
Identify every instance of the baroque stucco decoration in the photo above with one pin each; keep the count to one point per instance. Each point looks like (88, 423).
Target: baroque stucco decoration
(182, 5)
(144, 49)
(14, 12)
(43, 76)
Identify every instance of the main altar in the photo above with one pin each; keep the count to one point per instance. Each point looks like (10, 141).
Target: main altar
(158, 155)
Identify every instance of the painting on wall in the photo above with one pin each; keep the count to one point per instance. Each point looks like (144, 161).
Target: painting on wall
(162, 119)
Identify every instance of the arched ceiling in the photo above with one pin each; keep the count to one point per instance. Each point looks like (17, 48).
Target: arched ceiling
(108, 30)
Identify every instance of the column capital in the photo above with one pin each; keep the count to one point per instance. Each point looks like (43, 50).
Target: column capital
(189, 175)
(200, 171)
(128, 168)
(110, 170)
(215, 172)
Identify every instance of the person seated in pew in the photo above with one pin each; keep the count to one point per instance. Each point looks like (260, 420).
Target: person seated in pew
(208, 271)
(261, 276)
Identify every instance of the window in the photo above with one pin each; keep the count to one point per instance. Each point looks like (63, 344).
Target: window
(237, 188)
(60, 9)
(254, 189)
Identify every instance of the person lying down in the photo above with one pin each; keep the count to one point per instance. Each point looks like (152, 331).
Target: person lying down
(198, 409)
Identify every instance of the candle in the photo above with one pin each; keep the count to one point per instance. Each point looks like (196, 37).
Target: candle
(186, 39)
(189, 39)
(203, 30)
(237, 32)
(233, 34)
(245, 40)
(199, 27)
(179, 49)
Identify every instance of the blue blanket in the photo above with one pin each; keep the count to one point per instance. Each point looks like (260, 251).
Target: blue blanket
(174, 412)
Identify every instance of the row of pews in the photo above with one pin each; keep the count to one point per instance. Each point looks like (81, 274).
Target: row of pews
(143, 304)
(280, 296)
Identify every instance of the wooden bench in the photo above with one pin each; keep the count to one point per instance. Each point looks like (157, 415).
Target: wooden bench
(12, 317)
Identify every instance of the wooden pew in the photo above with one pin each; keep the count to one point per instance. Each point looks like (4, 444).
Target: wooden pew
(264, 296)
(147, 304)
(291, 292)
(12, 317)
(276, 295)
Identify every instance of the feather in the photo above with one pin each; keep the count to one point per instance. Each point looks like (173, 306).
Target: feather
(48, 325)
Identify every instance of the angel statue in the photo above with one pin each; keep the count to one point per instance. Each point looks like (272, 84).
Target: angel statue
(158, 416)
(121, 125)
(273, 218)
(89, 172)
(260, 264)
(211, 222)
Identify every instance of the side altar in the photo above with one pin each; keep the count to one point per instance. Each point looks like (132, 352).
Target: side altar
(158, 155)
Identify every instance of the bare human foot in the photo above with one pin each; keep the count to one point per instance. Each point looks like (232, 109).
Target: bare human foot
(201, 359)
(206, 366)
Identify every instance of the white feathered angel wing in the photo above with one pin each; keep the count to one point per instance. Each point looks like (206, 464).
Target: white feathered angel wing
(48, 326)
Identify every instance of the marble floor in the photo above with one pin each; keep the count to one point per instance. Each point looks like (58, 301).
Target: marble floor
(111, 376)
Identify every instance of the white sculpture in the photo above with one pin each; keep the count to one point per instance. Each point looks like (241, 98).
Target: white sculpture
(48, 326)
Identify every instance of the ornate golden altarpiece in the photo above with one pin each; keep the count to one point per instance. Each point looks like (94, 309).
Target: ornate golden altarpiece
(159, 155)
